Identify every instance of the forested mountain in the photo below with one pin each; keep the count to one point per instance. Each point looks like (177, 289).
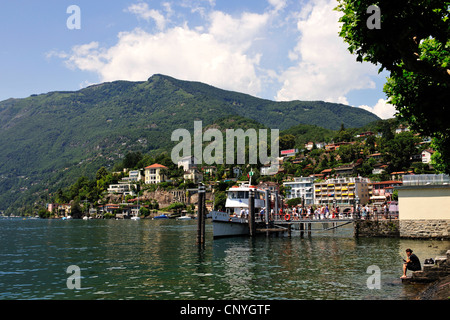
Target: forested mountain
(49, 140)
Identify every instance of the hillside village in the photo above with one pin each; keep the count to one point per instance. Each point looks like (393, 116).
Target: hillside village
(364, 166)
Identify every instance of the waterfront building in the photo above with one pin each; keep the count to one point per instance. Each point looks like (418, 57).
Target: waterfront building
(64, 209)
(342, 191)
(424, 206)
(301, 187)
(382, 191)
(155, 173)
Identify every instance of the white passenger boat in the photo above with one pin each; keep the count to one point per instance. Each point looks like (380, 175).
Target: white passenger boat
(231, 222)
(184, 218)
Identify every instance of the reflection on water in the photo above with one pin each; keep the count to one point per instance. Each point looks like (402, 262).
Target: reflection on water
(159, 260)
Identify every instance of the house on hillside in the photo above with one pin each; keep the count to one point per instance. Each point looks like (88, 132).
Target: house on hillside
(379, 168)
(187, 162)
(335, 146)
(364, 134)
(211, 170)
(347, 169)
(193, 175)
(123, 188)
(155, 173)
(269, 185)
(402, 128)
(426, 155)
(134, 176)
(309, 146)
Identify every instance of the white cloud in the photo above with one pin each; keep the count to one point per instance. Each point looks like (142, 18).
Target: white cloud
(143, 11)
(239, 32)
(278, 4)
(382, 108)
(86, 57)
(297, 52)
(179, 52)
(324, 69)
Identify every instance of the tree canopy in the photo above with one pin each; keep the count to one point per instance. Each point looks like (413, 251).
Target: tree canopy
(413, 44)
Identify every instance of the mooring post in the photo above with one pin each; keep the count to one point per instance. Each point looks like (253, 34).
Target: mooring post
(203, 215)
(200, 215)
(275, 206)
(251, 212)
(267, 209)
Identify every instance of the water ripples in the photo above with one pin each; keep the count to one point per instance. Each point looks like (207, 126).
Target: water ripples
(159, 260)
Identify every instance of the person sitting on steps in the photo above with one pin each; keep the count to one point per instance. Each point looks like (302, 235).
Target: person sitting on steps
(411, 263)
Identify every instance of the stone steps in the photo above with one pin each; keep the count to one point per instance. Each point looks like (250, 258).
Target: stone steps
(432, 272)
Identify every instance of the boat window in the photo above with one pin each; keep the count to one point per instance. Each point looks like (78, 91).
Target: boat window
(242, 194)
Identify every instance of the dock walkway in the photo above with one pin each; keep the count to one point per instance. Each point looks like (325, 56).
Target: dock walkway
(303, 225)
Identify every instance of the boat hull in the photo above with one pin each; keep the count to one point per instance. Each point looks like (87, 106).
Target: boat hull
(226, 226)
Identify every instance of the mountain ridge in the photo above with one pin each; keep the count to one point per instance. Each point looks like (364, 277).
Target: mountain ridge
(50, 139)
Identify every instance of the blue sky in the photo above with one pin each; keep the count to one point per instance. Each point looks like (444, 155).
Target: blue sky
(274, 49)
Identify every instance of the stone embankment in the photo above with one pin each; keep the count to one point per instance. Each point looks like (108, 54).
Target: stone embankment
(433, 272)
(376, 228)
(438, 275)
(417, 229)
(429, 229)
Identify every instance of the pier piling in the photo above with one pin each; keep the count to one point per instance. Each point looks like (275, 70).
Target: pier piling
(201, 215)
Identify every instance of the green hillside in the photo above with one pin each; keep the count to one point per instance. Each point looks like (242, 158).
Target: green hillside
(47, 141)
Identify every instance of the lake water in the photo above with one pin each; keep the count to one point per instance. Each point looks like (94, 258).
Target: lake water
(158, 259)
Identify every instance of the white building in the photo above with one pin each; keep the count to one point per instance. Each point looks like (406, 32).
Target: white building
(124, 188)
(302, 187)
(426, 155)
(423, 203)
(155, 173)
(187, 163)
(134, 176)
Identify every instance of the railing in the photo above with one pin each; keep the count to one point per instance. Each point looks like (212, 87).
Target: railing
(426, 179)
(370, 215)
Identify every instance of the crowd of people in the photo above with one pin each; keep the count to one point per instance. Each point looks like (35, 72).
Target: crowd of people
(321, 212)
